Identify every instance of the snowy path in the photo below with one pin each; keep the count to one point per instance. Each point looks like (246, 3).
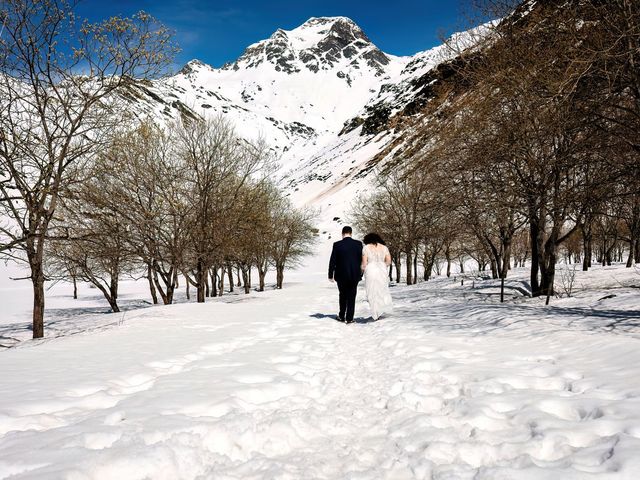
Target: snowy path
(266, 388)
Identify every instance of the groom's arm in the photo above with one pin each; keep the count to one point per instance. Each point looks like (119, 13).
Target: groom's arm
(332, 263)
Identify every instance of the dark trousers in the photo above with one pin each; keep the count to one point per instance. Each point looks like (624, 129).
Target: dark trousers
(348, 291)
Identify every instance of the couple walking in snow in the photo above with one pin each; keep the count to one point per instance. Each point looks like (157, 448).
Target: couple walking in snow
(349, 262)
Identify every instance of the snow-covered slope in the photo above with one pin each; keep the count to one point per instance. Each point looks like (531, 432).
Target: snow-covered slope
(315, 94)
(452, 385)
(295, 86)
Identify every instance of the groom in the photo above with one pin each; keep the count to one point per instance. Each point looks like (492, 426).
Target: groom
(344, 268)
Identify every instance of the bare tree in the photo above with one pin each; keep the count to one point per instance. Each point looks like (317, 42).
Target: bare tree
(524, 122)
(218, 166)
(58, 80)
(266, 205)
(292, 237)
(148, 190)
(96, 247)
(96, 251)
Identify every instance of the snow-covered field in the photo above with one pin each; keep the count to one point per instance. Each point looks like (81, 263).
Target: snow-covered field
(452, 385)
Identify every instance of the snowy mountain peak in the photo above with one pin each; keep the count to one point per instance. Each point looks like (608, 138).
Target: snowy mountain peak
(193, 66)
(328, 21)
(320, 43)
(321, 27)
(308, 90)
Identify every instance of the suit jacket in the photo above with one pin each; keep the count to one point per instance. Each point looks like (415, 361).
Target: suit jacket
(346, 258)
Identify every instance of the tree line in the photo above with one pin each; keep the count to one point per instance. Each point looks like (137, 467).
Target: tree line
(531, 153)
(90, 193)
(190, 203)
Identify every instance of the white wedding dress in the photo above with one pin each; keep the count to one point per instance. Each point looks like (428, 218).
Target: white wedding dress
(376, 280)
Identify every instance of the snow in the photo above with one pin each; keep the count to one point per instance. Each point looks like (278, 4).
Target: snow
(321, 100)
(453, 385)
(299, 112)
(311, 32)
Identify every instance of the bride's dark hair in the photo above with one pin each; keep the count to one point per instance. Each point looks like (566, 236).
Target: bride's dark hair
(373, 238)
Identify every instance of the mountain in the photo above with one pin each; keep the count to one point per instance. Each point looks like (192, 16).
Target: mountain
(323, 96)
(319, 44)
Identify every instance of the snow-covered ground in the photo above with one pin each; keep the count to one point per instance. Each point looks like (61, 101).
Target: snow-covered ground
(452, 385)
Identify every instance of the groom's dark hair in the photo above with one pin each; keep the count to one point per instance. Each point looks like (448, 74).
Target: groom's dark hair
(347, 230)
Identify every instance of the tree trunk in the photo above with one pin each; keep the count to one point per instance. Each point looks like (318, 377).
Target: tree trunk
(611, 250)
(113, 303)
(187, 288)
(546, 281)
(534, 234)
(279, 276)
(482, 265)
(415, 268)
(506, 257)
(587, 246)
(548, 264)
(409, 267)
(171, 289)
(430, 265)
(221, 281)
(262, 273)
(494, 268)
(158, 286)
(37, 278)
(245, 280)
(496, 263)
(152, 287)
(426, 275)
(230, 275)
(447, 255)
(110, 292)
(113, 290)
(632, 253)
(75, 287)
(201, 281)
(213, 274)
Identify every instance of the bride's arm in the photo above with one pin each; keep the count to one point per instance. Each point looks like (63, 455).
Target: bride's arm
(387, 258)
(363, 265)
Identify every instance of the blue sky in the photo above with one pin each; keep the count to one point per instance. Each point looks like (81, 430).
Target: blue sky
(218, 31)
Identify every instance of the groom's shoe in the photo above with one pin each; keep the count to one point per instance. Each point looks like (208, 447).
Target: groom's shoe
(349, 321)
(339, 318)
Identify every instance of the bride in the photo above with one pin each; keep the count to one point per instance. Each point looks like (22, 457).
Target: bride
(375, 262)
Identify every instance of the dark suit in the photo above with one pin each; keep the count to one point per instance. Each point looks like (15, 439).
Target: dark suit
(344, 268)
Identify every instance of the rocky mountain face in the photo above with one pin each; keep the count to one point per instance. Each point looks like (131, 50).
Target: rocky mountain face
(323, 96)
(318, 44)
